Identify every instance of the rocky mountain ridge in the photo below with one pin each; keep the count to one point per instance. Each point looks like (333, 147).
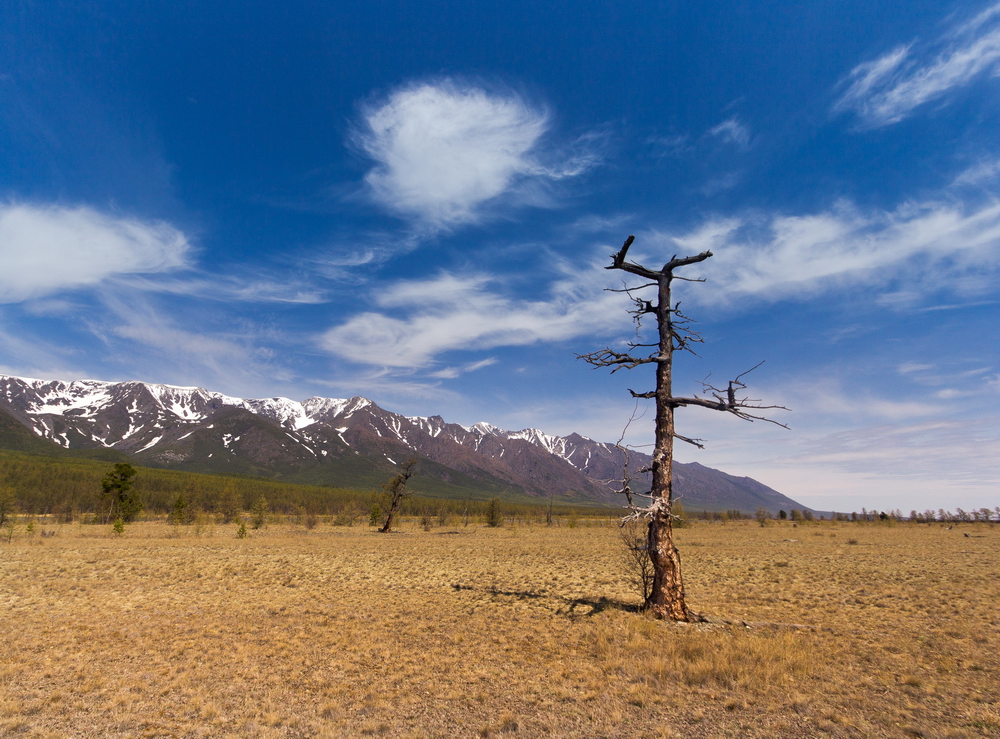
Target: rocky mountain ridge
(343, 442)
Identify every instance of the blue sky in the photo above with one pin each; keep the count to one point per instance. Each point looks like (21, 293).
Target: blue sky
(415, 202)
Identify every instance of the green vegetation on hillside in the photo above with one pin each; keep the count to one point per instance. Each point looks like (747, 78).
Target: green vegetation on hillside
(68, 487)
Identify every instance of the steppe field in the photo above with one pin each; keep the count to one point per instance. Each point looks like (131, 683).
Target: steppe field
(852, 630)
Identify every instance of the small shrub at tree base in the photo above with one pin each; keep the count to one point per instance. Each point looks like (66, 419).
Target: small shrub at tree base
(119, 527)
(241, 531)
(638, 566)
(375, 515)
(761, 516)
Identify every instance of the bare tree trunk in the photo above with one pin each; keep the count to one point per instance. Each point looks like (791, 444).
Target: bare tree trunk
(390, 519)
(666, 599)
(396, 490)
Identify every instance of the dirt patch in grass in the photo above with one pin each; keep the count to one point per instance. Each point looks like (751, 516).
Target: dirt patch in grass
(341, 631)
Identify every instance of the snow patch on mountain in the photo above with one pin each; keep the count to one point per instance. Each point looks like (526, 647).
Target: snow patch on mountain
(554, 444)
(151, 409)
(432, 425)
(324, 408)
(485, 429)
(53, 396)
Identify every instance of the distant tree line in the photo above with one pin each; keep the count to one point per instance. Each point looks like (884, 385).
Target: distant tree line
(980, 515)
(71, 489)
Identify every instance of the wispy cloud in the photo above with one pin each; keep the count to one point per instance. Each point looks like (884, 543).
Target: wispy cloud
(918, 250)
(978, 174)
(45, 249)
(852, 445)
(27, 355)
(449, 373)
(921, 247)
(191, 345)
(887, 90)
(731, 131)
(230, 288)
(423, 319)
(444, 148)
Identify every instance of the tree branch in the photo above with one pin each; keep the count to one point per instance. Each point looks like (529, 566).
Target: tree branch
(675, 262)
(618, 262)
(738, 408)
(609, 358)
(629, 289)
(726, 400)
(696, 442)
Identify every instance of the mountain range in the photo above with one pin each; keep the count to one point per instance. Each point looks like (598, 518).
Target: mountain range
(337, 442)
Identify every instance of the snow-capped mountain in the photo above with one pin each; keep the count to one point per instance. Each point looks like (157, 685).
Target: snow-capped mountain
(328, 441)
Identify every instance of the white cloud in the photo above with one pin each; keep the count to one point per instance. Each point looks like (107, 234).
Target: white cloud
(938, 246)
(445, 148)
(424, 318)
(908, 368)
(980, 173)
(733, 132)
(232, 288)
(918, 248)
(47, 249)
(393, 388)
(888, 89)
(450, 373)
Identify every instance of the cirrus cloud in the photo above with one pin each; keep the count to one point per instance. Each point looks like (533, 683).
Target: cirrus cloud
(888, 89)
(45, 249)
(918, 249)
(921, 247)
(422, 319)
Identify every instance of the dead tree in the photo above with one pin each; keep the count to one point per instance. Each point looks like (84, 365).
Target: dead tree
(666, 595)
(395, 490)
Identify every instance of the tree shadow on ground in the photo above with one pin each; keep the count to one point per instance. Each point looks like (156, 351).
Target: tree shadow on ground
(573, 607)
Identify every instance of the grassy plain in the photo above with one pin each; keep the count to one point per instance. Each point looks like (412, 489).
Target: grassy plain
(472, 631)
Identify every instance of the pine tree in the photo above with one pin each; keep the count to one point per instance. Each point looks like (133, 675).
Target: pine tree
(118, 486)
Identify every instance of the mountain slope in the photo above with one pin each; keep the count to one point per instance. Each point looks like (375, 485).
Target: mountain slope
(344, 442)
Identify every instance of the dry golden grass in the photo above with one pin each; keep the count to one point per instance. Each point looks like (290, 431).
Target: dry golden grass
(496, 632)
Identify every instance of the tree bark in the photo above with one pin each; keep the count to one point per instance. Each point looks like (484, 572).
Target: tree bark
(666, 598)
(390, 519)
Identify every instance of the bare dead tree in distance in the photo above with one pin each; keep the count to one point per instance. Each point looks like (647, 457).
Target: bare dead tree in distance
(396, 491)
(666, 596)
